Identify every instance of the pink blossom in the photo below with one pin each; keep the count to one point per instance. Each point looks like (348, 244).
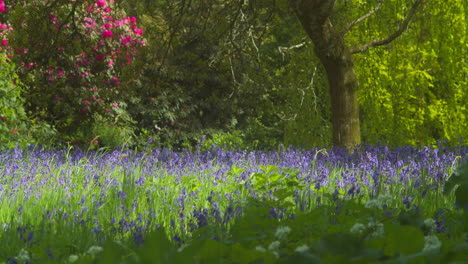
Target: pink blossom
(89, 22)
(139, 32)
(115, 80)
(107, 25)
(101, 3)
(107, 9)
(119, 23)
(60, 74)
(3, 26)
(133, 20)
(115, 104)
(86, 102)
(99, 57)
(110, 63)
(53, 18)
(5, 42)
(3, 8)
(126, 40)
(107, 34)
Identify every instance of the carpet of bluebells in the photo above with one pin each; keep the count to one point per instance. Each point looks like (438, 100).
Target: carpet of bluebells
(63, 205)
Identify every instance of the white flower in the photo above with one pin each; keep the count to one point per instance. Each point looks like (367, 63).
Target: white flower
(358, 229)
(23, 256)
(274, 246)
(94, 250)
(430, 224)
(378, 228)
(72, 258)
(431, 243)
(282, 232)
(302, 249)
(260, 248)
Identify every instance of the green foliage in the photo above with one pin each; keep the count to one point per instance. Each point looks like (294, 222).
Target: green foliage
(12, 114)
(459, 182)
(245, 75)
(412, 90)
(229, 140)
(113, 134)
(15, 126)
(272, 228)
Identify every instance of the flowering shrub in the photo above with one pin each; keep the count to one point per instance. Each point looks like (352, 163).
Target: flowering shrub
(71, 59)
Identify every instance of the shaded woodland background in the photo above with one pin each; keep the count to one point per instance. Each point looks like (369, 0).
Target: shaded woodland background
(244, 74)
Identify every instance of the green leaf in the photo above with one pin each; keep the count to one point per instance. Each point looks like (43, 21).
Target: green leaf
(403, 240)
(460, 179)
(243, 255)
(344, 244)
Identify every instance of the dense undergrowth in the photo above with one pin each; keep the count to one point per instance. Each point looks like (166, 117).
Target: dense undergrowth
(375, 205)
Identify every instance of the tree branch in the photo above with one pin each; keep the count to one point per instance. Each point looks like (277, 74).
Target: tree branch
(403, 27)
(364, 17)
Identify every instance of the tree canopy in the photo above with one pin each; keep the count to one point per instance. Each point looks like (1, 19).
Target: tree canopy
(247, 74)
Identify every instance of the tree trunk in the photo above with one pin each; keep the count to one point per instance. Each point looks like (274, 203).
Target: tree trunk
(336, 58)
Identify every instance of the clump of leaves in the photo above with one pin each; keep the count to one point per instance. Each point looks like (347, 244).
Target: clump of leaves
(458, 181)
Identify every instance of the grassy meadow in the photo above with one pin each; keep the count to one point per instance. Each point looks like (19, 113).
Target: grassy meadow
(376, 205)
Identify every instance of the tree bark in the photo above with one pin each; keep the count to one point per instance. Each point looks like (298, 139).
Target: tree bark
(336, 58)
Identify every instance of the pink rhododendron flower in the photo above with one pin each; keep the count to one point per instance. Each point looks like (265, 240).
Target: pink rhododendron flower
(101, 3)
(126, 40)
(89, 22)
(3, 26)
(139, 32)
(99, 57)
(107, 25)
(60, 74)
(85, 102)
(107, 34)
(53, 18)
(119, 23)
(115, 80)
(3, 8)
(5, 42)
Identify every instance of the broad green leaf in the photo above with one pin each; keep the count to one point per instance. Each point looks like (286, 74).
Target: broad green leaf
(403, 240)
